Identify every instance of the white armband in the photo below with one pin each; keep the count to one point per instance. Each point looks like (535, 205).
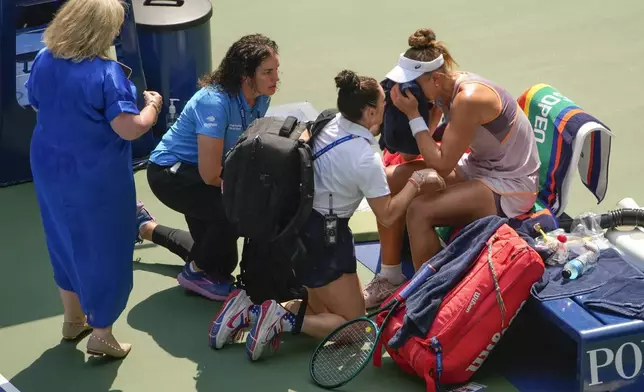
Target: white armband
(417, 125)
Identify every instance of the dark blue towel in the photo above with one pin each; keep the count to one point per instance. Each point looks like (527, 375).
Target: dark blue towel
(609, 267)
(396, 133)
(524, 224)
(451, 264)
(623, 295)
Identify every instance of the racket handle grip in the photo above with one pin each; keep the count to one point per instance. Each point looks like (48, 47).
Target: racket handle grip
(423, 273)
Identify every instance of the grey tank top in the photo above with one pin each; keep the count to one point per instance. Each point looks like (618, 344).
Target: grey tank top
(506, 146)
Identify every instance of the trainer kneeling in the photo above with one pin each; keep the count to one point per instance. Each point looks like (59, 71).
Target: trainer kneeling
(347, 169)
(185, 168)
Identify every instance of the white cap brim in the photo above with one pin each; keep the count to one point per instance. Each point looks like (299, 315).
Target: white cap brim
(407, 69)
(401, 75)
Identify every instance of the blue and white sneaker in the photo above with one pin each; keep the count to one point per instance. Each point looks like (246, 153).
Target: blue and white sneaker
(266, 330)
(202, 284)
(143, 216)
(231, 320)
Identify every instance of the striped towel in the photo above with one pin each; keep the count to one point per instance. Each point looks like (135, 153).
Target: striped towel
(567, 136)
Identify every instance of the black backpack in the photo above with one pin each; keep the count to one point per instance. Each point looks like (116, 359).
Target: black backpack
(268, 191)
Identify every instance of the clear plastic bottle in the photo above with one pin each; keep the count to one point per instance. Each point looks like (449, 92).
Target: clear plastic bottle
(582, 263)
(172, 113)
(560, 255)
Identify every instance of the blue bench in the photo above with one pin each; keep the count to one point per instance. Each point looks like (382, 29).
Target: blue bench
(609, 347)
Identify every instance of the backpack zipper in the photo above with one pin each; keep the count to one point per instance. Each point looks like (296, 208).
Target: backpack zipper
(256, 141)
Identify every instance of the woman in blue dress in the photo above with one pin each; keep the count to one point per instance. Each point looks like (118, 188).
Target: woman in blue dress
(82, 167)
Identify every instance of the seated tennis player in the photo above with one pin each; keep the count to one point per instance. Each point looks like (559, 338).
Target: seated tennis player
(500, 176)
(347, 169)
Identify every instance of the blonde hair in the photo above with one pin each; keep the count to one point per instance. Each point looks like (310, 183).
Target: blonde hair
(85, 29)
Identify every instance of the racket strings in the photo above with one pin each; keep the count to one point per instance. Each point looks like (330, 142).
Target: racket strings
(497, 288)
(344, 353)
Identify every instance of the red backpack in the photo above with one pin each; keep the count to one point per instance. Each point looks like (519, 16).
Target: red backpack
(470, 321)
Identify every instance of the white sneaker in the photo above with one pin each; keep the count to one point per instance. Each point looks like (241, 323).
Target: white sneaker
(378, 290)
(266, 331)
(231, 320)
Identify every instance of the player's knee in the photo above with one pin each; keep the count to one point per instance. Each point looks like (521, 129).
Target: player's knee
(419, 211)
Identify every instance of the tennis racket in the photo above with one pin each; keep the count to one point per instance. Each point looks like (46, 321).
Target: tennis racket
(346, 351)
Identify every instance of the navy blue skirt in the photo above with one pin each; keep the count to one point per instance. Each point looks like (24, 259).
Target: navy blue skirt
(323, 263)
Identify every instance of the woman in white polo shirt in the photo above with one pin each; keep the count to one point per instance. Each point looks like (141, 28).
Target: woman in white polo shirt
(347, 168)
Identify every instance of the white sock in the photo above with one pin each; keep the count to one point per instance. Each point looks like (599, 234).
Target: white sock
(288, 321)
(253, 314)
(393, 273)
(192, 267)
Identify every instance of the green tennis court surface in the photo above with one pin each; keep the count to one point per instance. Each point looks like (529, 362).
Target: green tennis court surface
(168, 328)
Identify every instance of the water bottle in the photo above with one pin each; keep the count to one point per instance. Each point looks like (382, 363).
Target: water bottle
(581, 264)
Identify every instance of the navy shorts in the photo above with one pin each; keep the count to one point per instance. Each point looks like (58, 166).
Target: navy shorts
(324, 264)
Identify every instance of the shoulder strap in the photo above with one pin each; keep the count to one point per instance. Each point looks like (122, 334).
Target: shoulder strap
(307, 192)
(320, 122)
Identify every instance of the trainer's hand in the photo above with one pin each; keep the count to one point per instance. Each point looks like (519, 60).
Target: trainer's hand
(405, 102)
(428, 179)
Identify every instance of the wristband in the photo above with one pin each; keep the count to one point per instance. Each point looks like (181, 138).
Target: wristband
(414, 183)
(417, 125)
(155, 105)
(156, 110)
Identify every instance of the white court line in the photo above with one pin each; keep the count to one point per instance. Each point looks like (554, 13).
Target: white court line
(6, 386)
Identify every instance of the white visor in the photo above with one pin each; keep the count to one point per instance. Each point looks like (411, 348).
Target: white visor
(408, 69)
